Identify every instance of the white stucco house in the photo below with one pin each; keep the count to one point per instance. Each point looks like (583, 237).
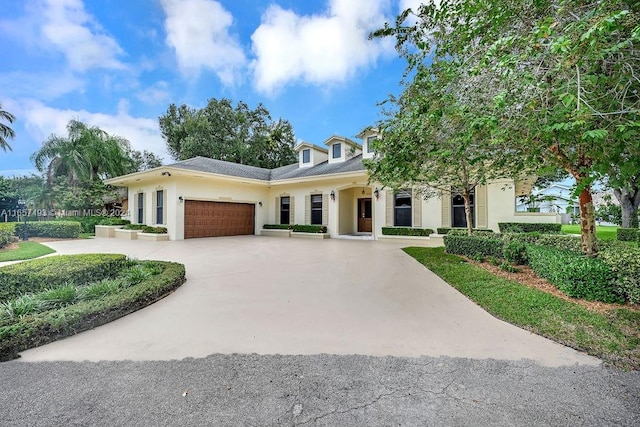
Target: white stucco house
(202, 197)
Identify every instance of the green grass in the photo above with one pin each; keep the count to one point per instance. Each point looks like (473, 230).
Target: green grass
(613, 336)
(603, 232)
(26, 250)
(86, 235)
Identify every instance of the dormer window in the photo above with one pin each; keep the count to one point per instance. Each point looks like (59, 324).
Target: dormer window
(306, 155)
(370, 140)
(337, 151)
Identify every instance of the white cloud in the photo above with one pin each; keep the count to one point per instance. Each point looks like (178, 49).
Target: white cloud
(72, 31)
(317, 49)
(155, 94)
(41, 121)
(198, 31)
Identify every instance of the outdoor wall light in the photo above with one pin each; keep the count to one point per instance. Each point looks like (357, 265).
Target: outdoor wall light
(260, 203)
(181, 199)
(333, 195)
(376, 193)
(166, 173)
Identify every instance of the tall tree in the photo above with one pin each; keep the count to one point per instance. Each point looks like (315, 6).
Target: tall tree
(5, 131)
(226, 132)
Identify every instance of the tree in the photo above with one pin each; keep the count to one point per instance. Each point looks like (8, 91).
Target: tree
(222, 131)
(5, 131)
(569, 95)
(143, 160)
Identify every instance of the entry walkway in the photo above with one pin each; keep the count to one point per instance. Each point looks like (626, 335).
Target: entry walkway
(295, 296)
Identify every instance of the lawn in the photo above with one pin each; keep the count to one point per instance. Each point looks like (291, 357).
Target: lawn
(25, 250)
(612, 335)
(603, 232)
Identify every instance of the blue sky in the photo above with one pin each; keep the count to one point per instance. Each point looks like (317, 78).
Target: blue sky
(118, 64)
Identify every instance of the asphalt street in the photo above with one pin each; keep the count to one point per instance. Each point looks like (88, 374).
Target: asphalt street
(266, 390)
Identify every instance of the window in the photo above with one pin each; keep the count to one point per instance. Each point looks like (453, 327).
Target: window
(160, 207)
(370, 140)
(140, 207)
(337, 151)
(459, 216)
(306, 155)
(316, 209)
(285, 204)
(402, 209)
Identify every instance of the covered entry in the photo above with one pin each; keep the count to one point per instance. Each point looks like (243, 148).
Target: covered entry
(214, 219)
(355, 211)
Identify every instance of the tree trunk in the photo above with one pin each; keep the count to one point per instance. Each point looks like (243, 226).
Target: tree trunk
(587, 223)
(466, 195)
(629, 198)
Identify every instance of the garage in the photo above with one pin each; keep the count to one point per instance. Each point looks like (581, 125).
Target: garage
(214, 219)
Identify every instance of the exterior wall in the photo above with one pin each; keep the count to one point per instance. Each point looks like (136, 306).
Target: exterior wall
(149, 189)
(501, 199)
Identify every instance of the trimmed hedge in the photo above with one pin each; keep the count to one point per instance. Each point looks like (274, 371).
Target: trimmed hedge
(515, 252)
(474, 232)
(474, 246)
(7, 232)
(299, 228)
(36, 330)
(277, 226)
(527, 227)
(628, 234)
(112, 220)
(134, 226)
(574, 274)
(154, 230)
(87, 223)
(624, 261)
(59, 229)
(46, 273)
(406, 231)
(443, 230)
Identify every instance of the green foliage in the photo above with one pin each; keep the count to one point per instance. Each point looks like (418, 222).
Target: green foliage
(7, 232)
(505, 266)
(135, 274)
(235, 134)
(628, 234)
(19, 307)
(58, 297)
(101, 289)
(574, 274)
(525, 227)
(473, 245)
(306, 228)
(26, 250)
(111, 220)
(515, 252)
(87, 223)
(5, 130)
(624, 261)
(406, 231)
(443, 230)
(134, 226)
(50, 272)
(37, 329)
(474, 232)
(277, 226)
(58, 229)
(154, 230)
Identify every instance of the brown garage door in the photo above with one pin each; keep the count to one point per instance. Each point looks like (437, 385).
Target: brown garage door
(213, 219)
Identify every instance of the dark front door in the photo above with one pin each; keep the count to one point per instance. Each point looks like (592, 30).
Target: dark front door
(364, 215)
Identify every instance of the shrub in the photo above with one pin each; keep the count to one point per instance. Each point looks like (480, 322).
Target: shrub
(58, 229)
(19, 307)
(134, 226)
(33, 331)
(627, 234)
(154, 230)
(443, 230)
(574, 274)
(101, 289)
(505, 266)
(45, 273)
(136, 274)
(277, 226)
(527, 227)
(472, 245)
(310, 228)
(87, 223)
(112, 220)
(515, 252)
(474, 232)
(624, 261)
(57, 297)
(7, 232)
(406, 231)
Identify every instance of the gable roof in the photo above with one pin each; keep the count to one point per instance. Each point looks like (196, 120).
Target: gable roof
(205, 164)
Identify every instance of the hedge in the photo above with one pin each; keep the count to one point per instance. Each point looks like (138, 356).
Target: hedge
(527, 227)
(59, 229)
(574, 274)
(45, 273)
(472, 246)
(154, 230)
(277, 226)
(36, 330)
(112, 220)
(134, 226)
(87, 223)
(7, 232)
(474, 232)
(406, 231)
(628, 234)
(624, 261)
(309, 228)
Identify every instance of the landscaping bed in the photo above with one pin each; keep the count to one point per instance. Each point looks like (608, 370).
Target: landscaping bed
(55, 297)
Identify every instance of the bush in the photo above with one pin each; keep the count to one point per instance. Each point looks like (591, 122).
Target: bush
(112, 220)
(406, 231)
(624, 261)
(560, 241)
(277, 226)
(87, 223)
(515, 252)
(574, 274)
(32, 331)
(471, 246)
(627, 234)
(134, 226)
(58, 229)
(527, 227)
(7, 232)
(154, 230)
(474, 232)
(443, 230)
(310, 228)
(51, 272)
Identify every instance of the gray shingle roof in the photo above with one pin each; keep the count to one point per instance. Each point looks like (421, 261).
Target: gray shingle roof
(204, 164)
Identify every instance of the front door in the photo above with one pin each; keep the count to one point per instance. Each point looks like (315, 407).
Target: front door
(364, 215)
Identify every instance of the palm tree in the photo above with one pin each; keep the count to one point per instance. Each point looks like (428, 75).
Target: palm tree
(5, 131)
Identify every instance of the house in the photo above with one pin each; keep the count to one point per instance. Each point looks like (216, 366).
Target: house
(202, 197)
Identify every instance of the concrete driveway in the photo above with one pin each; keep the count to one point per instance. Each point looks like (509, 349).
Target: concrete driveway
(298, 297)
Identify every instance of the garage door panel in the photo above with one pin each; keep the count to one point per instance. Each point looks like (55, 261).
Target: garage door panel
(214, 219)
